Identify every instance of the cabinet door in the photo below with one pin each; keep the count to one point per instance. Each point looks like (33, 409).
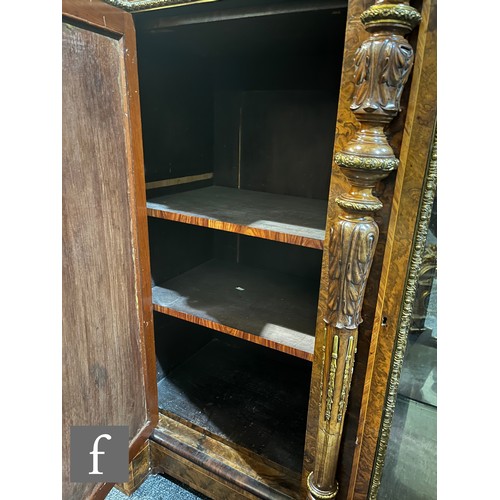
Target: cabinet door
(108, 347)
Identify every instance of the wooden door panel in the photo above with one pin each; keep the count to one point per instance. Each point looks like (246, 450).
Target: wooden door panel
(108, 351)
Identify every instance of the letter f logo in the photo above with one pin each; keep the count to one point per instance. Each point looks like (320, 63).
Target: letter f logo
(95, 454)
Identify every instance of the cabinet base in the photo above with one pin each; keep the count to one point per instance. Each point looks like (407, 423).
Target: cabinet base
(217, 468)
(139, 469)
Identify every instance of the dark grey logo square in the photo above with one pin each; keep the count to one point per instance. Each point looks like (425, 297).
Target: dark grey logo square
(99, 454)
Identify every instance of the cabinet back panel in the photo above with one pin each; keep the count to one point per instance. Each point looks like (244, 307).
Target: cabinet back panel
(176, 341)
(176, 109)
(227, 138)
(297, 261)
(176, 248)
(277, 141)
(286, 142)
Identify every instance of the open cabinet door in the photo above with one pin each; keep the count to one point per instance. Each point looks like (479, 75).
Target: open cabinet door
(108, 346)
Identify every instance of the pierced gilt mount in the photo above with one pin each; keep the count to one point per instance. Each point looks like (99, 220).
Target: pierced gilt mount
(382, 67)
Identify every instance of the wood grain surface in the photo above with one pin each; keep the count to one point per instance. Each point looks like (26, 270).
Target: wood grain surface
(346, 127)
(415, 148)
(139, 469)
(107, 312)
(101, 189)
(173, 464)
(286, 135)
(268, 308)
(288, 219)
(217, 468)
(169, 460)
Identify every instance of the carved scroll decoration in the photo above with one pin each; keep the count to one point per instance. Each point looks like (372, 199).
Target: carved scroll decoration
(382, 67)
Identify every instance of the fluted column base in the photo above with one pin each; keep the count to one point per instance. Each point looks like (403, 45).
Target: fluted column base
(315, 493)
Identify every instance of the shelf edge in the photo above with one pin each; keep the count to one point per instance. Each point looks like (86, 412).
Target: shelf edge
(250, 337)
(231, 227)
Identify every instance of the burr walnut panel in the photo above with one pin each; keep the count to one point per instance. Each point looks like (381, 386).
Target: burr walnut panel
(382, 66)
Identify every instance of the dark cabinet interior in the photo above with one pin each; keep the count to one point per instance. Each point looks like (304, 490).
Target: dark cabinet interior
(238, 118)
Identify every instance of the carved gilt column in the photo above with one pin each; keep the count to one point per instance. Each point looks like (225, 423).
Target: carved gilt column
(382, 67)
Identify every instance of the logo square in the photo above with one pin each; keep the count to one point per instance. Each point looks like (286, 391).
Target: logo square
(99, 454)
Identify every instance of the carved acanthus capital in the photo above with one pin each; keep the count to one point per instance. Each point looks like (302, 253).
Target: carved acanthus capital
(351, 251)
(382, 67)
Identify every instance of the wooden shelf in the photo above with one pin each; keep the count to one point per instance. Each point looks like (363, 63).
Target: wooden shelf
(265, 307)
(288, 219)
(263, 392)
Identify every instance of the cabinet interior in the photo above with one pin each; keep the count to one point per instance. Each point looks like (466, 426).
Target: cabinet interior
(238, 116)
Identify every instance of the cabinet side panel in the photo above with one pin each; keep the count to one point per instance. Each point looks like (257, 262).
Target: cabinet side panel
(103, 380)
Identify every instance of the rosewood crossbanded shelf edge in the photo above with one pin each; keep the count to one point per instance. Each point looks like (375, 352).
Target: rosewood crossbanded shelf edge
(382, 66)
